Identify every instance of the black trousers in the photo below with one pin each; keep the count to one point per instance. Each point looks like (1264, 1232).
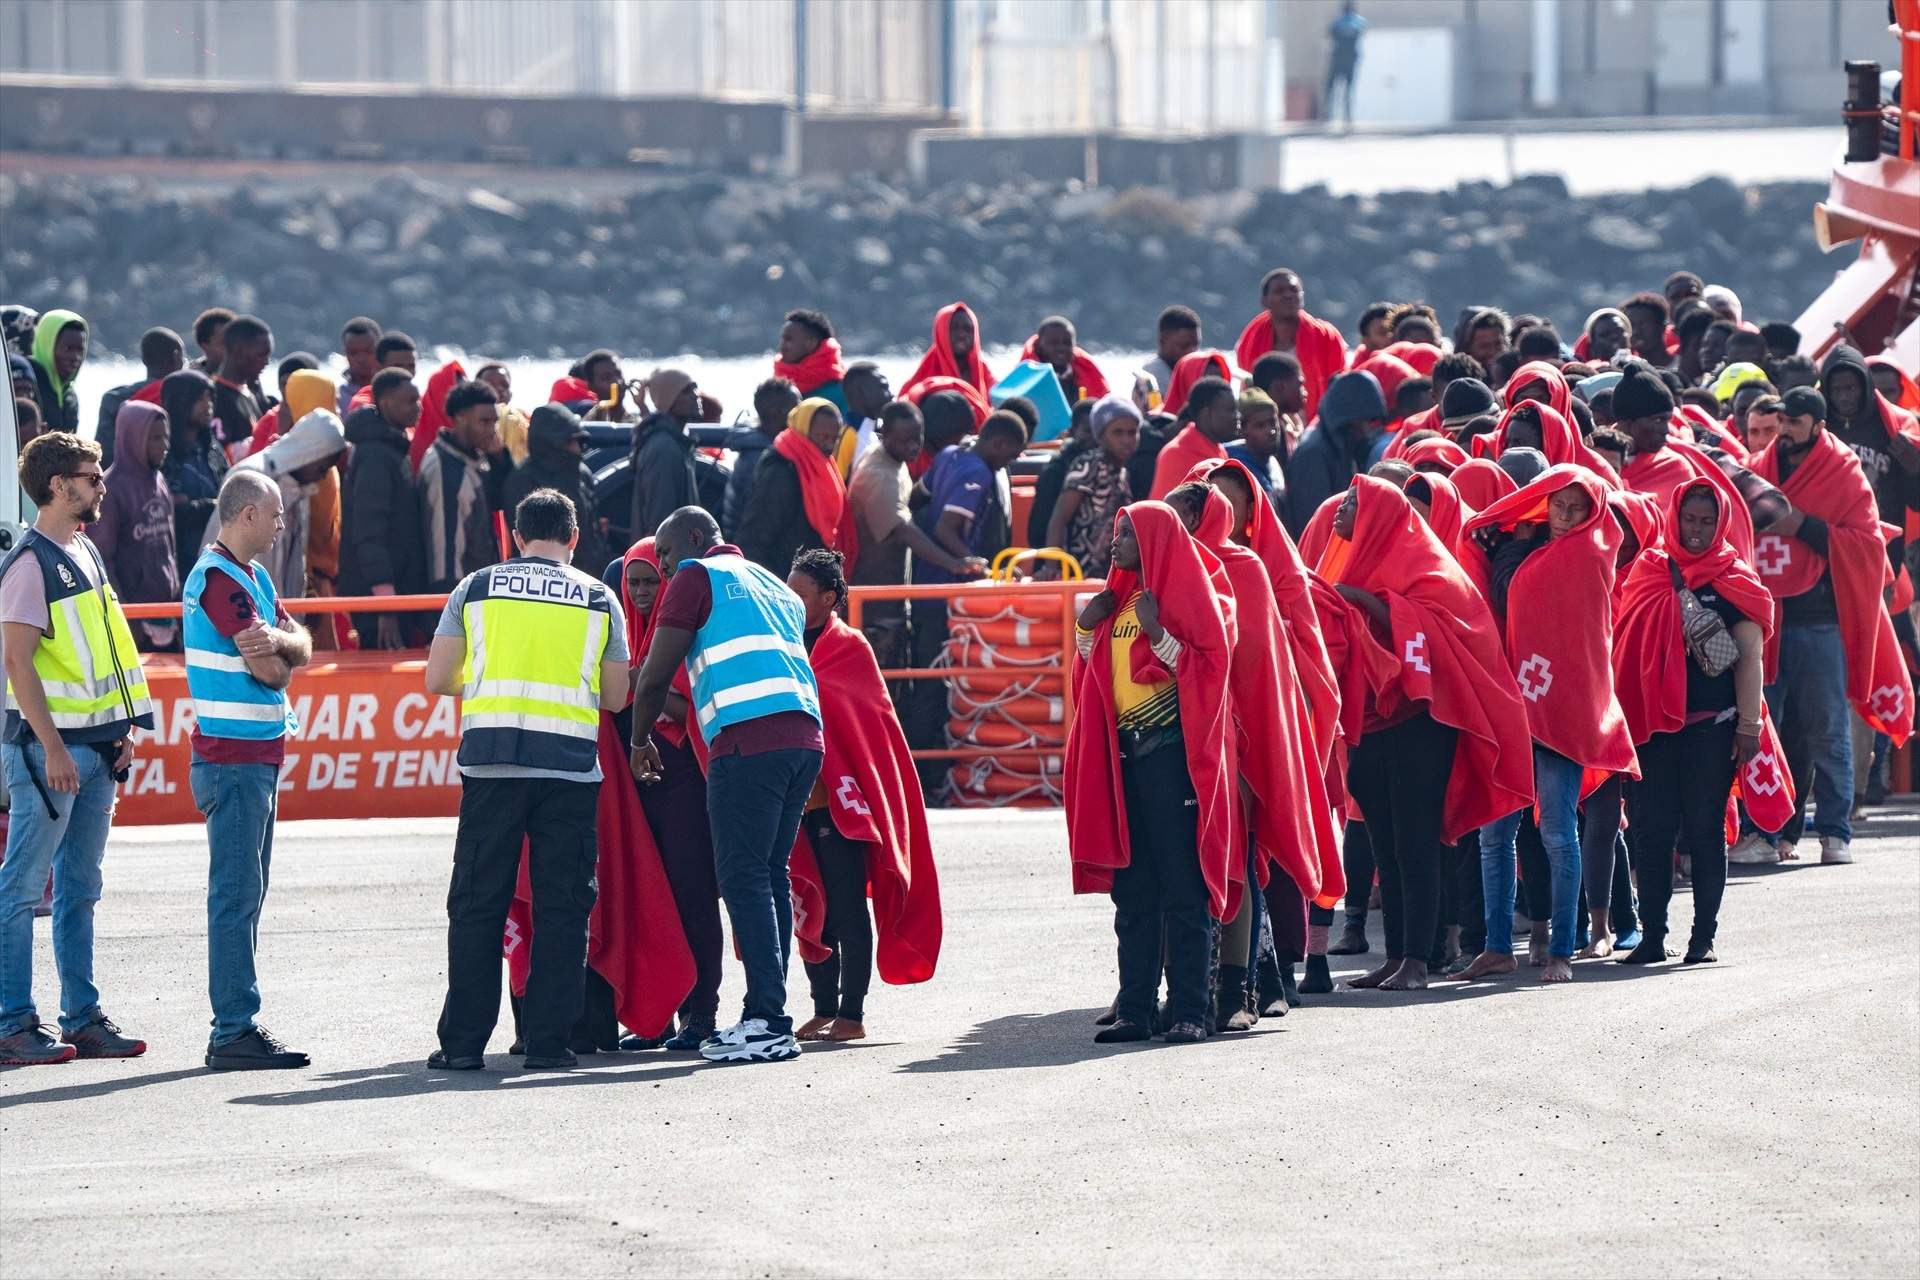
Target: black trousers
(1356, 859)
(557, 821)
(926, 722)
(1399, 776)
(1682, 795)
(840, 982)
(1466, 898)
(1161, 890)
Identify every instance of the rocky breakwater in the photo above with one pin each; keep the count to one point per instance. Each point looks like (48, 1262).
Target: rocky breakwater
(700, 263)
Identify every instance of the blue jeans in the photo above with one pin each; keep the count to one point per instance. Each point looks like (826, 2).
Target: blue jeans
(1809, 704)
(73, 842)
(1557, 780)
(238, 802)
(754, 804)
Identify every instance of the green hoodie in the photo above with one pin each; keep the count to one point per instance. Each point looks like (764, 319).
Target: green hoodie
(45, 334)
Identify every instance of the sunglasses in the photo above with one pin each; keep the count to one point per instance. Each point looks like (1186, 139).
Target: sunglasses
(94, 478)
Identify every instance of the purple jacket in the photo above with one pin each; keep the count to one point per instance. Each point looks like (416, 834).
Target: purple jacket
(135, 529)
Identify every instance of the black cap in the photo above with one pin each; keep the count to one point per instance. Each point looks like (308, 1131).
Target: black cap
(1463, 399)
(1802, 401)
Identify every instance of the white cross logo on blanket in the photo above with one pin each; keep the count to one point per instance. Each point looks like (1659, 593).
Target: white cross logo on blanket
(1763, 774)
(513, 937)
(1536, 677)
(849, 796)
(1772, 555)
(1889, 700)
(1417, 653)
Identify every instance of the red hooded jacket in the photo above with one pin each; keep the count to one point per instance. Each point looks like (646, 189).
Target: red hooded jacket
(1316, 344)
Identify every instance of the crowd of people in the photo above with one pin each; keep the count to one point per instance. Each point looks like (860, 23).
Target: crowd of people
(1393, 617)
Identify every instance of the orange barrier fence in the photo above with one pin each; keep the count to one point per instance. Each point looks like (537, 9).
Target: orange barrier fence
(374, 743)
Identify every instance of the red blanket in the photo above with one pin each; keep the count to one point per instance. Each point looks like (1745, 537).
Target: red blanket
(1650, 654)
(1291, 820)
(1189, 369)
(1658, 474)
(1446, 514)
(820, 366)
(1181, 455)
(940, 362)
(1445, 654)
(1319, 530)
(1432, 452)
(1421, 355)
(640, 638)
(1830, 484)
(1559, 624)
(822, 492)
(1389, 370)
(1093, 383)
(1425, 420)
(634, 937)
(1172, 568)
(1293, 592)
(1317, 345)
(1481, 482)
(1559, 440)
(975, 398)
(874, 797)
(1540, 374)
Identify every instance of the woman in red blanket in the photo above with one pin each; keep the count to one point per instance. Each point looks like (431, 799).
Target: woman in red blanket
(955, 352)
(1284, 325)
(1438, 503)
(1289, 822)
(1315, 620)
(1444, 746)
(1545, 559)
(1055, 343)
(1536, 424)
(865, 828)
(1150, 769)
(1693, 729)
(676, 807)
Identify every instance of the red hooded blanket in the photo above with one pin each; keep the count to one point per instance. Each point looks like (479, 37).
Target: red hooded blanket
(1446, 514)
(1178, 458)
(1189, 369)
(433, 411)
(1559, 439)
(1481, 482)
(1291, 819)
(1650, 654)
(1172, 568)
(1830, 484)
(1559, 632)
(634, 937)
(1316, 344)
(874, 797)
(940, 362)
(976, 399)
(1444, 650)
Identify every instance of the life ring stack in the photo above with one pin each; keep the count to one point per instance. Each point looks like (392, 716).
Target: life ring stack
(1021, 710)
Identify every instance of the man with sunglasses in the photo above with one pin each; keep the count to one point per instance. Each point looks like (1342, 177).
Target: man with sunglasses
(75, 694)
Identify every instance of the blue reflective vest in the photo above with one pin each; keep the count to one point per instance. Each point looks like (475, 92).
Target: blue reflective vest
(749, 659)
(228, 702)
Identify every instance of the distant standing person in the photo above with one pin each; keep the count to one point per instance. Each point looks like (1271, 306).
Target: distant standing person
(1343, 57)
(242, 651)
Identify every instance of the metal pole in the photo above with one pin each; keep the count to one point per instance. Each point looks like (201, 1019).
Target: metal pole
(800, 56)
(1213, 60)
(946, 56)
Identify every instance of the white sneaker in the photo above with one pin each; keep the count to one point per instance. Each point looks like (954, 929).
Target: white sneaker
(1834, 851)
(1754, 850)
(749, 1041)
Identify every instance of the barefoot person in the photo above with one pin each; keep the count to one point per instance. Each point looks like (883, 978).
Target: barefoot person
(1149, 771)
(1444, 748)
(865, 829)
(1695, 726)
(1546, 556)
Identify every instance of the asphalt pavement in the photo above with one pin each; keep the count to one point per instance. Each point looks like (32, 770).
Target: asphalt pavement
(1754, 1117)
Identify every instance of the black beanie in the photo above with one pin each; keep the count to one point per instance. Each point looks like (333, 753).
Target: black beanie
(1640, 394)
(1465, 398)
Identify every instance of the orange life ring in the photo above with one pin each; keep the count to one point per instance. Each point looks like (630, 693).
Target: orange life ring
(1028, 709)
(981, 603)
(1015, 635)
(1002, 733)
(1018, 683)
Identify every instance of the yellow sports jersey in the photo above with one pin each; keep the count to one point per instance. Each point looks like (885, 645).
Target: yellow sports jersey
(1135, 705)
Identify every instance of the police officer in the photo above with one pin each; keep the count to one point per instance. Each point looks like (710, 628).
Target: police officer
(75, 694)
(536, 650)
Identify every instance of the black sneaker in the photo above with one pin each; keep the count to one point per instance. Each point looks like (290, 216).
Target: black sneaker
(101, 1039)
(257, 1050)
(440, 1060)
(33, 1047)
(689, 1038)
(631, 1043)
(562, 1061)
